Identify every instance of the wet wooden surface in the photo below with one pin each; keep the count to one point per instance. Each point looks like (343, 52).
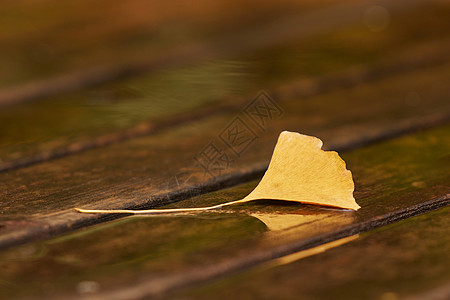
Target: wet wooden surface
(157, 169)
(115, 112)
(394, 180)
(67, 42)
(110, 112)
(405, 260)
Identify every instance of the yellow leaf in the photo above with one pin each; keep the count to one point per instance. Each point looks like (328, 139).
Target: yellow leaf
(299, 171)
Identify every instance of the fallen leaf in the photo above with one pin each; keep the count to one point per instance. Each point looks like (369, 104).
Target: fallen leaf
(299, 171)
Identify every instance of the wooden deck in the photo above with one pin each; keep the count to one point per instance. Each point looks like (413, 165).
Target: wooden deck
(112, 107)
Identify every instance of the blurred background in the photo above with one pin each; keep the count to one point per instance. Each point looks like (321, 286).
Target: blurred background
(74, 71)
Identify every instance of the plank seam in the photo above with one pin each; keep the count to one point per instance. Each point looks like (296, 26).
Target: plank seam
(165, 287)
(303, 89)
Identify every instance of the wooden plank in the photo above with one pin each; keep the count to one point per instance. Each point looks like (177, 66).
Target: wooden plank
(137, 30)
(148, 256)
(75, 122)
(68, 37)
(406, 260)
(159, 169)
(67, 123)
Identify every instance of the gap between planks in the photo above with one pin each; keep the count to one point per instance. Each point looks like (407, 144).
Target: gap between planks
(229, 180)
(204, 275)
(274, 33)
(431, 56)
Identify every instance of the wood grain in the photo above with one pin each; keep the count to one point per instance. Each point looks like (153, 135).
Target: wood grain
(112, 108)
(406, 260)
(160, 169)
(83, 120)
(311, 61)
(105, 42)
(149, 256)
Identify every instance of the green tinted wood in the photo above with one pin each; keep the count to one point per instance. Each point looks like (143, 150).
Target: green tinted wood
(406, 259)
(96, 33)
(70, 122)
(139, 256)
(157, 169)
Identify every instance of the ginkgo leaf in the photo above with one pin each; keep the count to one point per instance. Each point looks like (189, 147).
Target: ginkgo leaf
(299, 171)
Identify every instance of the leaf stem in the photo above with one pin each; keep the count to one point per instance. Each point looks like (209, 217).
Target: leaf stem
(156, 211)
